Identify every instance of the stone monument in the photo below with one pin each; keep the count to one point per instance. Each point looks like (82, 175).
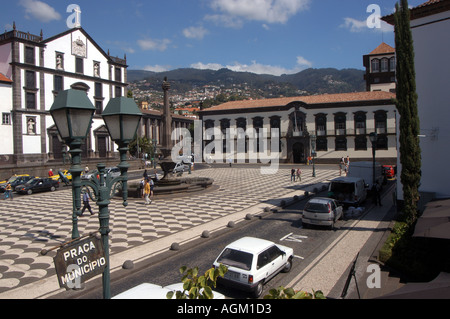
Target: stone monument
(167, 164)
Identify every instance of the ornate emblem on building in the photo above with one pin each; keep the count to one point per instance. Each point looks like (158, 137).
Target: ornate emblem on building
(79, 48)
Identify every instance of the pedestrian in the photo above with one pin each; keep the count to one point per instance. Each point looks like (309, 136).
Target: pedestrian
(299, 175)
(8, 191)
(341, 165)
(86, 204)
(145, 175)
(152, 186)
(147, 192)
(141, 188)
(376, 194)
(293, 174)
(50, 173)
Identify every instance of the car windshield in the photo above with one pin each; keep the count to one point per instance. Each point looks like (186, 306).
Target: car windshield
(317, 207)
(236, 258)
(33, 181)
(12, 179)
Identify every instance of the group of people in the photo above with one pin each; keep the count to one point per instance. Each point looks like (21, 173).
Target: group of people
(343, 165)
(296, 173)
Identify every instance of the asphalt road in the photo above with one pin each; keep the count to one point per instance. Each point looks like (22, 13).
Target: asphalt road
(283, 227)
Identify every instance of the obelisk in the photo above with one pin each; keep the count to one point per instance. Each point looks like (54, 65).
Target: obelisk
(167, 163)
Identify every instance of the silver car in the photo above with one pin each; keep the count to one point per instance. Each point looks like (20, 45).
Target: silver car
(322, 211)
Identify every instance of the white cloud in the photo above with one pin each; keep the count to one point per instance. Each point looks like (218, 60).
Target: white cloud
(234, 12)
(255, 67)
(157, 68)
(355, 25)
(154, 44)
(39, 10)
(195, 32)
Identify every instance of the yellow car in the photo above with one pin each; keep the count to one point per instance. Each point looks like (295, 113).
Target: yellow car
(65, 173)
(12, 178)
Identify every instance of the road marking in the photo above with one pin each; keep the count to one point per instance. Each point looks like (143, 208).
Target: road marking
(294, 238)
(299, 257)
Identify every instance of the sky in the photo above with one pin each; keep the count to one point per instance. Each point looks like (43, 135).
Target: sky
(260, 36)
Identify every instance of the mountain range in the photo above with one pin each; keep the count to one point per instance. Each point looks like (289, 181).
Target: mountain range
(309, 81)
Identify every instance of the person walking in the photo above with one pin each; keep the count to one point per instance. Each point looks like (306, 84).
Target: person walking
(147, 192)
(152, 186)
(341, 165)
(299, 174)
(8, 191)
(293, 174)
(50, 173)
(86, 204)
(376, 194)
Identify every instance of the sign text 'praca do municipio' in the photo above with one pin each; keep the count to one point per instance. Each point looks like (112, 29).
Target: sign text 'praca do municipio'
(79, 261)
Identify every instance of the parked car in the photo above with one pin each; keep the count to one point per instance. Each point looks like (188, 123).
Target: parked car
(322, 211)
(15, 180)
(37, 185)
(151, 291)
(114, 171)
(388, 171)
(180, 168)
(65, 173)
(252, 262)
(348, 191)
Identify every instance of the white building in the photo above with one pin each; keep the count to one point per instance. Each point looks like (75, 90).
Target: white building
(339, 124)
(430, 26)
(40, 68)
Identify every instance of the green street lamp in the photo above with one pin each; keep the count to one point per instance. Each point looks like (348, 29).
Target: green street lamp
(373, 139)
(122, 117)
(313, 153)
(72, 112)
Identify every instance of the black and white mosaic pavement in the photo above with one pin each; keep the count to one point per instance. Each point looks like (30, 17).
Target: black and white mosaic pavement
(29, 224)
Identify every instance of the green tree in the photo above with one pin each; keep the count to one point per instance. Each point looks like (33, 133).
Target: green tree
(290, 293)
(145, 146)
(406, 101)
(198, 287)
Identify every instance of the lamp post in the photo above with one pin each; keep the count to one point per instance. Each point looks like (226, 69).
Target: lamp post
(72, 113)
(313, 153)
(373, 139)
(121, 117)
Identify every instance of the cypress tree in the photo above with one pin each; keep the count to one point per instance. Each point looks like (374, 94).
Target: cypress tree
(406, 102)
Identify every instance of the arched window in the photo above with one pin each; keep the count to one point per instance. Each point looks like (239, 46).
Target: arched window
(384, 65)
(392, 65)
(375, 66)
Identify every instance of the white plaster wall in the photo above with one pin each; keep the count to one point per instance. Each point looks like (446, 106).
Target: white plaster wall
(6, 131)
(432, 52)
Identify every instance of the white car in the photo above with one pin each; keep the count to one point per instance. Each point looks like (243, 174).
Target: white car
(252, 262)
(180, 168)
(322, 211)
(152, 291)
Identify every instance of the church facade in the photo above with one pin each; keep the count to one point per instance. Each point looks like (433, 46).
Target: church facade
(36, 70)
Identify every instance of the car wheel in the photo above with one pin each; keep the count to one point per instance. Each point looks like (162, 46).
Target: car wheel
(29, 192)
(52, 188)
(287, 268)
(258, 290)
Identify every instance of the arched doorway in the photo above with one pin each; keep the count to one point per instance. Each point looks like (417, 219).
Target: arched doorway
(298, 153)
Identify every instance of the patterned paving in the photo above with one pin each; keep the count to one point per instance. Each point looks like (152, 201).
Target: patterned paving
(29, 224)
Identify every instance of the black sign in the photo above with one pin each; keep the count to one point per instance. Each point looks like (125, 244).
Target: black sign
(79, 261)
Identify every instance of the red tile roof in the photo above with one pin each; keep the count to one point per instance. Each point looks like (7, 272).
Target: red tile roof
(3, 78)
(383, 48)
(427, 8)
(310, 100)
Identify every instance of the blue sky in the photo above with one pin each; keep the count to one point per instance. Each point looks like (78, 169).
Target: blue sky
(260, 36)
